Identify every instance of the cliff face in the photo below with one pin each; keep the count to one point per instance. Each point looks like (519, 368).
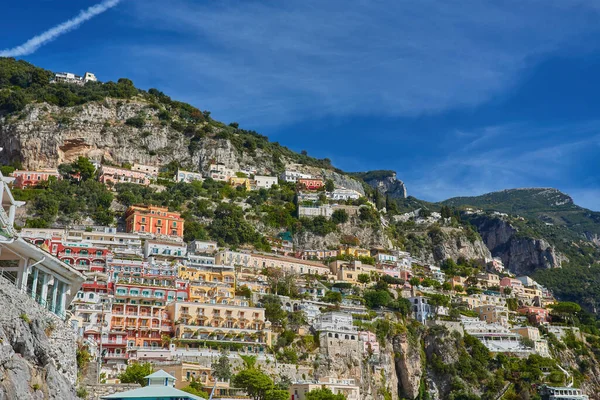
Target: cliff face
(387, 185)
(521, 255)
(409, 364)
(44, 136)
(37, 350)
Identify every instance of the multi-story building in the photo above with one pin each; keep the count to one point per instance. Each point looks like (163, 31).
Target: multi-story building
(203, 247)
(138, 312)
(493, 314)
(198, 261)
(354, 251)
(311, 183)
(210, 284)
(348, 271)
(49, 281)
(153, 219)
(165, 249)
(239, 181)
(346, 387)
(25, 179)
(293, 176)
(147, 169)
(114, 175)
(83, 256)
(317, 254)
(536, 315)
(562, 393)
(421, 309)
(384, 258)
(314, 210)
(369, 341)
(480, 299)
(343, 194)
(488, 280)
(264, 182)
(196, 323)
(256, 262)
(68, 77)
(121, 244)
(219, 172)
(187, 176)
(497, 338)
(338, 325)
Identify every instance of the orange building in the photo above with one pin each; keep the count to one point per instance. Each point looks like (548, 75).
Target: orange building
(153, 219)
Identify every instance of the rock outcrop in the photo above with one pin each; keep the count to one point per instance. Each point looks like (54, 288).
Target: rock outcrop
(409, 364)
(521, 255)
(37, 350)
(388, 185)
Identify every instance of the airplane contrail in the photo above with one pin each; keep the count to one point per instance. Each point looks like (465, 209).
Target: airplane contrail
(36, 42)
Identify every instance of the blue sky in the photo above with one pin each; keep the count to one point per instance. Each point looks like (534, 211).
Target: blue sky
(460, 98)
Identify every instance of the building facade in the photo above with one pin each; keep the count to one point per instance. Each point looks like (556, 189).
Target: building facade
(153, 219)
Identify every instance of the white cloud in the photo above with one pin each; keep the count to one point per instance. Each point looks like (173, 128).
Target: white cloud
(30, 46)
(278, 61)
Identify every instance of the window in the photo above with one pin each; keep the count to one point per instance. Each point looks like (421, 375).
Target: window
(144, 219)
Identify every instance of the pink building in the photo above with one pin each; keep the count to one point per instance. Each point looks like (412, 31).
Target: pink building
(369, 341)
(536, 315)
(120, 175)
(25, 179)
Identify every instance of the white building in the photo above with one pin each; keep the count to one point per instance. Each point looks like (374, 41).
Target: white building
(315, 211)
(219, 172)
(187, 176)
(343, 194)
(203, 246)
(265, 182)
(421, 309)
(346, 387)
(68, 77)
(196, 260)
(497, 338)
(159, 249)
(337, 325)
(293, 176)
(383, 258)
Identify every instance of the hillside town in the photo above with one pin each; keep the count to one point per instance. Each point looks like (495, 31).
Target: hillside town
(138, 293)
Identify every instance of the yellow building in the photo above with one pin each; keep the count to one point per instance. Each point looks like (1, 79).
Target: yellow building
(197, 323)
(209, 284)
(185, 372)
(348, 271)
(236, 181)
(355, 252)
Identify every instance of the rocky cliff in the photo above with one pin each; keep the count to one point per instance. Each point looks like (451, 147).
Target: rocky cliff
(37, 350)
(521, 255)
(385, 182)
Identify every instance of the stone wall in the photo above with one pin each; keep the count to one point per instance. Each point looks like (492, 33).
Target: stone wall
(95, 392)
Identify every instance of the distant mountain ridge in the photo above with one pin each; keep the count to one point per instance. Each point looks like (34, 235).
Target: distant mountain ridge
(548, 205)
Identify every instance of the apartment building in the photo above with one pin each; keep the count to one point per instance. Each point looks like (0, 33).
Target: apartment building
(343, 194)
(346, 387)
(161, 250)
(209, 284)
(114, 175)
(369, 342)
(187, 176)
(293, 176)
(493, 314)
(317, 254)
(150, 170)
(536, 315)
(264, 182)
(83, 256)
(219, 172)
(196, 323)
(202, 247)
(153, 219)
(421, 309)
(25, 179)
(338, 325)
(256, 262)
(348, 271)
